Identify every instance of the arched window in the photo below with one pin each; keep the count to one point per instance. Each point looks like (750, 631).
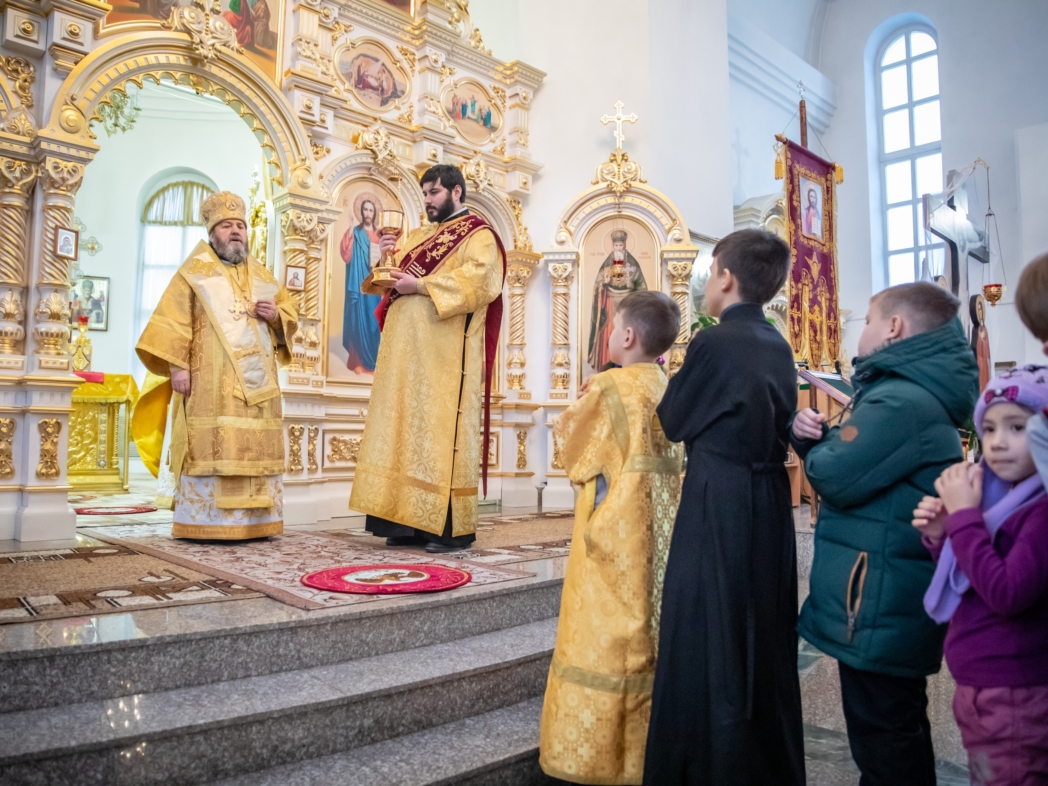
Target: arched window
(170, 229)
(910, 150)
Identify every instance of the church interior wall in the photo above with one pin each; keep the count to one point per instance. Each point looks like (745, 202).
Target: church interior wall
(982, 109)
(1031, 144)
(166, 135)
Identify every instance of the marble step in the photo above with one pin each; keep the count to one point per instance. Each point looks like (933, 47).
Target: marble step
(499, 747)
(237, 639)
(208, 732)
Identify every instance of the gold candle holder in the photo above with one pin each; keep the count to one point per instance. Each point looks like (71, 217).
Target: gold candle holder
(391, 222)
(993, 293)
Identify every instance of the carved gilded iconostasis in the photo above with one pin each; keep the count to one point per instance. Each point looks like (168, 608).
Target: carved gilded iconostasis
(346, 102)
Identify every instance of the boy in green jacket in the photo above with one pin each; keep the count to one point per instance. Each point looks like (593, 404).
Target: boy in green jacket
(916, 382)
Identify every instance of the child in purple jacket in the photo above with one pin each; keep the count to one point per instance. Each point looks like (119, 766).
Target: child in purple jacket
(988, 530)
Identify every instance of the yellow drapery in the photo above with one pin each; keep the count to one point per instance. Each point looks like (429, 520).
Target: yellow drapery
(421, 447)
(598, 697)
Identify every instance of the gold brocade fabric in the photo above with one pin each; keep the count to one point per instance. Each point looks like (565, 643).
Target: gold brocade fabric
(216, 430)
(116, 388)
(598, 697)
(420, 445)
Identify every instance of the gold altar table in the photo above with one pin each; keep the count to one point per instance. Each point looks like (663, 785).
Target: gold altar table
(100, 434)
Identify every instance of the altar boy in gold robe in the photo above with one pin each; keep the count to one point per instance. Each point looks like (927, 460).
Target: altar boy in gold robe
(218, 332)
(598, 698)
(421, 453)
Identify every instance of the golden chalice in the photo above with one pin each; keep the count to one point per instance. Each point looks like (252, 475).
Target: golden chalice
(391, 222)
(993, 293)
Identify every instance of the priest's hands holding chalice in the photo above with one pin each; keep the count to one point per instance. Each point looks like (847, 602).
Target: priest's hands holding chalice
(404, 283)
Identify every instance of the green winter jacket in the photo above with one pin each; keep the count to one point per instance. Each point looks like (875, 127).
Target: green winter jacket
(870, 569)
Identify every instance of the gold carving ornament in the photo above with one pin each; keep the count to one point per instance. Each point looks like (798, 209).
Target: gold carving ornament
(500, 94)
(11, 315)
(342, 449)
(52, 331)
(476, 171)
(7, 438)
(521, 238)
(378, 141)
(319, 150)
(48, 468)
(294, 442)
(338, 28)
(407, 117)
(500, 148)
(409, 57)
(477, 42)
(20, 124)
(311, 451)
(21, 72)
(557, 462)
(205, 26)
(618, 173)
(522, 449)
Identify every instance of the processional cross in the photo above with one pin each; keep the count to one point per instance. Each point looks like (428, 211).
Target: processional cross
(949, 221)
(618, 119)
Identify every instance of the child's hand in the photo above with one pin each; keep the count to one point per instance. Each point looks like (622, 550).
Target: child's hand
(930, 518)
(960, 486)
(807, 424)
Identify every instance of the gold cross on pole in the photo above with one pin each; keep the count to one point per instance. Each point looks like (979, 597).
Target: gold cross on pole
(618, 119)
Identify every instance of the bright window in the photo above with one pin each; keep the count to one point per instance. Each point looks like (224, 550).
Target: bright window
(170, 229)
(910, 150)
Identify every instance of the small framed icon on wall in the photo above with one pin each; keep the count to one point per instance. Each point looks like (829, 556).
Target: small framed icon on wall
(295, 279)
(67, 243)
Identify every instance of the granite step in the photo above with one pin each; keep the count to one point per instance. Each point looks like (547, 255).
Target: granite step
(499, 747)
(260, 637)
(208, 732)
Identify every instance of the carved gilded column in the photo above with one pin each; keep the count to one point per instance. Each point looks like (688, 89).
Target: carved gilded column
(518, 274)
(309, 320)
(60, 180)
(678, 267)
(561, 268)
(295, 226)
(17, 179)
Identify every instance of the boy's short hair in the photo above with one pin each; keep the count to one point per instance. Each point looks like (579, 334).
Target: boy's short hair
(1031, 297)
(926, 306)
(447, 175)
(654, 317)
(759, 260)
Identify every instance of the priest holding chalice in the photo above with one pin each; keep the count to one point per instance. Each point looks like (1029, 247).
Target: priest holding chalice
(419, 472)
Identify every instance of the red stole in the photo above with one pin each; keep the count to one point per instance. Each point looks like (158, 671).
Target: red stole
(424, 259)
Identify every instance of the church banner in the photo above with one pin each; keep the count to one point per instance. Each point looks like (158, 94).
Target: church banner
(815, 325)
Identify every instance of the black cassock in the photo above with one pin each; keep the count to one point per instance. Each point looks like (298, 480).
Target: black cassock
(726, 706)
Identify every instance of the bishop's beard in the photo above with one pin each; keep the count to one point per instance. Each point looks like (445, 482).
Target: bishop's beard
(233, 252)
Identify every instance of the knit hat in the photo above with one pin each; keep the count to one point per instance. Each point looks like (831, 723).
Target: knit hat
(1025, 385)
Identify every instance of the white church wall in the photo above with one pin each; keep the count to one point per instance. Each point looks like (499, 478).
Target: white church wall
(993, 76)
(1031, 144)
(764, 100)
(793, 24)
(667, 61)
(174, 130)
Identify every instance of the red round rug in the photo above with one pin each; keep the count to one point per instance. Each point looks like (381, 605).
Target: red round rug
(387, 579)
(114, 510)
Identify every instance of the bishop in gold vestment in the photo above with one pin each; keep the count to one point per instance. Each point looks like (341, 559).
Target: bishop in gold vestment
(227, 447)
(420, 456)
(598, 697)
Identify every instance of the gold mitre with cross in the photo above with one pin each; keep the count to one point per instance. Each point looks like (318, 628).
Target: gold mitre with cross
(222, 206)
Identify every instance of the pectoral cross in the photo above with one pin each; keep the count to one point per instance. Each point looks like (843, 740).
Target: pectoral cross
(238, 308)
(618, 119)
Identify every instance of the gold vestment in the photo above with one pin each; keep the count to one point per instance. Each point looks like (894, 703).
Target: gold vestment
(231, 424)
(421, 446)
(598, 697)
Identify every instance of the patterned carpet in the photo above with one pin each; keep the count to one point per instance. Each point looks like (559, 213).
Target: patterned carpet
(275, 566)
(100, 578)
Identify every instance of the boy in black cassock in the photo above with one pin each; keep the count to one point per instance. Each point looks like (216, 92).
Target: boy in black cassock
(726, 705)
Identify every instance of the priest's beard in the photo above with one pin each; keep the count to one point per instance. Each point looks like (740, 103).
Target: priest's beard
(442, 213)
(233, 252)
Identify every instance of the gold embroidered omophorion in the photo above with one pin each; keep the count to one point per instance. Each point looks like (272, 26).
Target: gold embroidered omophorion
(598, 697)
(421, 447)
(227, 447)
